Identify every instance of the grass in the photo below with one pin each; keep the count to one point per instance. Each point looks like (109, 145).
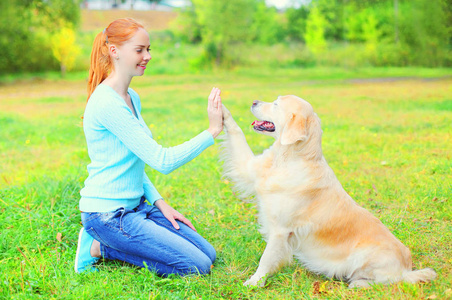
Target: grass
(388, 142)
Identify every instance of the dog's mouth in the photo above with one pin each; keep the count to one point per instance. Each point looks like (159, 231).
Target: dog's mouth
(263, 126)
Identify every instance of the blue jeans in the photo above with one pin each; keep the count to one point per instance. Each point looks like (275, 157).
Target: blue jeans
(145, 238)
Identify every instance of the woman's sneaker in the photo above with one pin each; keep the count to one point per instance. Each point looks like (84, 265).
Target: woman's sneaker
(83, 259)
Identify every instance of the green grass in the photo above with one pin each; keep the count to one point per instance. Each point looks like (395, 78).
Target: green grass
(387, 141)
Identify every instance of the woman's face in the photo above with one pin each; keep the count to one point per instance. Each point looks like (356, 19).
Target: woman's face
(133, 54)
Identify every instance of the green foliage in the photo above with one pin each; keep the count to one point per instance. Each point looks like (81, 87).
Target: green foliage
(353, 24)
(210, 22)
(296, 22)
(65, 49)
(332, 12)
(222, 24)
(26, 27)
(405, 30)
(423, 31)
(16, 39)
(265, 24)
(186, 27)
(348, 33)
(52, 13)
(362, 26)
(371, 35)
(266, 27)
(315, 32)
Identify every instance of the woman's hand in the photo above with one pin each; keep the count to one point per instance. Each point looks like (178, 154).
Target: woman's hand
(172, 215)
(215, 112)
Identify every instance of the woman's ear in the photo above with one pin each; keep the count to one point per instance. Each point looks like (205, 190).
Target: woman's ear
(294, 130)
(113, 51)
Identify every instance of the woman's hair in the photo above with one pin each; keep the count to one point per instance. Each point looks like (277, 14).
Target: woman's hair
(117, 33)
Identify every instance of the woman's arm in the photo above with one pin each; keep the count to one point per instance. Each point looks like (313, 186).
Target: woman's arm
(172, 215)
(119, 121)
(150, 192)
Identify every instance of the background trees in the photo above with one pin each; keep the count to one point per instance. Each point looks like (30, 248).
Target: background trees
(348, 33)
(26, 28)
(377, 32)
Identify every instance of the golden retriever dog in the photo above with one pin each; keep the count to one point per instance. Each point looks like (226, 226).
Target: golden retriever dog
(303, 209)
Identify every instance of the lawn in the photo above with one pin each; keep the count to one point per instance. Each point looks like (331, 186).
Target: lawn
(388, 141)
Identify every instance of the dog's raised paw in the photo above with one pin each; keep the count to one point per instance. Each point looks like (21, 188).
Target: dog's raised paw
(226, 112)
(228, 122)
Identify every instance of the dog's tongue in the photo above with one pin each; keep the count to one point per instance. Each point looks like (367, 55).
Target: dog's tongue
(263, 125)
(258, 123)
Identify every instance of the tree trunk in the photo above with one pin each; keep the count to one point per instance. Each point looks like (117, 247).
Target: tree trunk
(396, 21)
(63, 70)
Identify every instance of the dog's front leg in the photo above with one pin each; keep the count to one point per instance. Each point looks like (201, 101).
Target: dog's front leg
(276, 254)
(235, 137)
(237, 155)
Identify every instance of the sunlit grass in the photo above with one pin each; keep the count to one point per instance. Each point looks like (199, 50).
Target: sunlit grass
(387, 141)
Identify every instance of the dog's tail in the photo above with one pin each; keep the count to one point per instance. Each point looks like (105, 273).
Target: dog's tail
(423, 275)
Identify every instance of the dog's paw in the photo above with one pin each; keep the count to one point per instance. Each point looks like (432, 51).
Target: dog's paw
(361, 283)
(255, 281)
(228, 122)
(226, 112)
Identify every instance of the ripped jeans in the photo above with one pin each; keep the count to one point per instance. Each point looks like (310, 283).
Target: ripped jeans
(145, 238)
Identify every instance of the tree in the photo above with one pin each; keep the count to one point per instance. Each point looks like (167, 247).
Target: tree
(332, 12)
(64, 48)
(223, 23)
(424, 30)
(296, 22)
(27, 24)
(315, 31)
(56, 12)
(186, 26)
(266, 26)
(371, 35)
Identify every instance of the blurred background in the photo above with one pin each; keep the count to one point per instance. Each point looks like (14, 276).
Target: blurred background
(191, 36)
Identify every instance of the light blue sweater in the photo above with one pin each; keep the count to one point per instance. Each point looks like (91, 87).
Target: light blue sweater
(119, 146)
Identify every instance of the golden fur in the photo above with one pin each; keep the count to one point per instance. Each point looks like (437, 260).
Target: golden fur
(303, 209)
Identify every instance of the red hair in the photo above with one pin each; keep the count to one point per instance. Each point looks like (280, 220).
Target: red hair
(117, 33)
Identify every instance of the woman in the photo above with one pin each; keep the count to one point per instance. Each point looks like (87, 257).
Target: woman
(123, 215)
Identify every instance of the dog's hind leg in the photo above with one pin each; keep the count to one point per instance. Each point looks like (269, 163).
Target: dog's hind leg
(276, 254)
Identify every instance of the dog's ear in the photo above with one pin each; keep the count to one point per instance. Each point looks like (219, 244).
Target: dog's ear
(294, 130)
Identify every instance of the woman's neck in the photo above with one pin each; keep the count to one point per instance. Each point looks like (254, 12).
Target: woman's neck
(120, 85)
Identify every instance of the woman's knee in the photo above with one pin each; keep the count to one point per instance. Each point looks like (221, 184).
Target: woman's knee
(211, 253)
(196, 264)
(202, 266)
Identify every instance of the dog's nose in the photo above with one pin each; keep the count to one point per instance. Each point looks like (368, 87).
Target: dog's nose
(255, 102)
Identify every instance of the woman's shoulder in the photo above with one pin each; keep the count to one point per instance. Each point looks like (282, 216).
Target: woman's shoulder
(100, 92)
(102, 101)
(103, 95)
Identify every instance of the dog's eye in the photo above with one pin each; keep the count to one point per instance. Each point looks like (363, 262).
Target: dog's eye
(274, 103)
